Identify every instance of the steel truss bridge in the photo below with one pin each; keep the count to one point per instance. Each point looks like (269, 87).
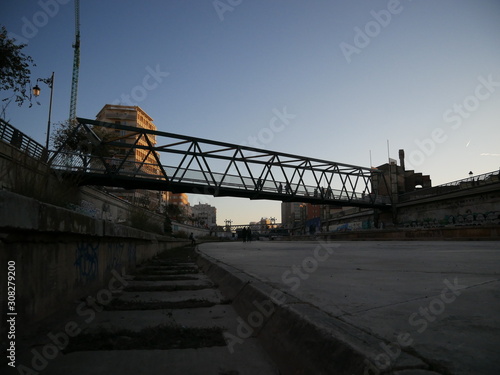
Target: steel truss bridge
(139, 158)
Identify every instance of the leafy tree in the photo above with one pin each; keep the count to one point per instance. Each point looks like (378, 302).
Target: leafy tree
(174, 211)
(14, 71)
(83, 147)
(167, 225)
(71, 137)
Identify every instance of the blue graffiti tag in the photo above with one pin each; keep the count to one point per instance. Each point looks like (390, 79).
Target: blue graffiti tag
(87, 261)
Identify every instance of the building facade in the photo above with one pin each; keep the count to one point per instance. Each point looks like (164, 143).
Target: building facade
(139, 159)
(291, 214)
(204, 214)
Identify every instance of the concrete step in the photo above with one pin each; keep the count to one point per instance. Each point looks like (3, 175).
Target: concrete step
(222, 316)
(247, 359)
(210, 295)
(201, 281)
(117, 326)
(168, 277)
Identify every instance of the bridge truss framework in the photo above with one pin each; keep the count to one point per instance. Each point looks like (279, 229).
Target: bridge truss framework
(139, 158)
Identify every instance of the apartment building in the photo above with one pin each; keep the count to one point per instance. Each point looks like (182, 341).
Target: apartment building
(138, 159)
(204, 214)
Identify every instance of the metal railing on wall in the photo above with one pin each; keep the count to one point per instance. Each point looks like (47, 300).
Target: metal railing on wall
(465, 183)
(21, 141)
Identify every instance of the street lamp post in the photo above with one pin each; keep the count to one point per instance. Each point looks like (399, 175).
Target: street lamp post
(36, 92)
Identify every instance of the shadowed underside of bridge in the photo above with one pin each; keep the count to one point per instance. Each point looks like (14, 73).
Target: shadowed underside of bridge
(107, 154)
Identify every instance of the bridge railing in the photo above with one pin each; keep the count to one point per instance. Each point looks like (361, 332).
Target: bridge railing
(482, 178)
(110, 166)
(18, 139)
(203, 166)
(465, 183)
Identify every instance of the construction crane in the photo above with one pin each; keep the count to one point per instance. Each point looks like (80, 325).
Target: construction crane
(76, 64)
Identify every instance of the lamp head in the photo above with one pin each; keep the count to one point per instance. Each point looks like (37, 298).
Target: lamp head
(36, 90)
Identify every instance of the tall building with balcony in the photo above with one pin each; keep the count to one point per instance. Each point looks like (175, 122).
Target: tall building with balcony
(204, 214)
(139, 159)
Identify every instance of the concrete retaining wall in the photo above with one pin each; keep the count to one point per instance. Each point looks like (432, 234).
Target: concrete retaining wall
(197, 232)
(478, 205)
(62, 256)
(101, 205)
(452, 233)
(475, 205)
(464, 233)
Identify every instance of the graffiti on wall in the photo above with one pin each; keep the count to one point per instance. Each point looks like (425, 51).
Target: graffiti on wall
(469, 218)
(87, 261)
(354, 225)
(113, 257)
(106, 213)
(86, 208)
(118, 252)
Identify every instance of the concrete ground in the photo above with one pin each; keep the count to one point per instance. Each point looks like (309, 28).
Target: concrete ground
(433, 307)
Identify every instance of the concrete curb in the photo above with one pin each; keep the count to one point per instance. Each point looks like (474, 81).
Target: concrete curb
(299, 337)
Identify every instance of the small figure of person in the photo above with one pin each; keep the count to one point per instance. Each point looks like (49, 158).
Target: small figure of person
(259, 185)
(280, 188)
(113, 163)
(249, 235)
(191, 237)
(244, 234)
(329, 193)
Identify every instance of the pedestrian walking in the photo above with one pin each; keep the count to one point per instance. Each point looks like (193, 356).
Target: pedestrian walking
(191, 237)
(259, 184)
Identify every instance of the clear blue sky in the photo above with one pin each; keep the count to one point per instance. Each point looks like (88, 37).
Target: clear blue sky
(349, 75)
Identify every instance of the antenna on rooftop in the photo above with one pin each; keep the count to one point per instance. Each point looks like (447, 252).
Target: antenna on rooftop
(388, 154)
